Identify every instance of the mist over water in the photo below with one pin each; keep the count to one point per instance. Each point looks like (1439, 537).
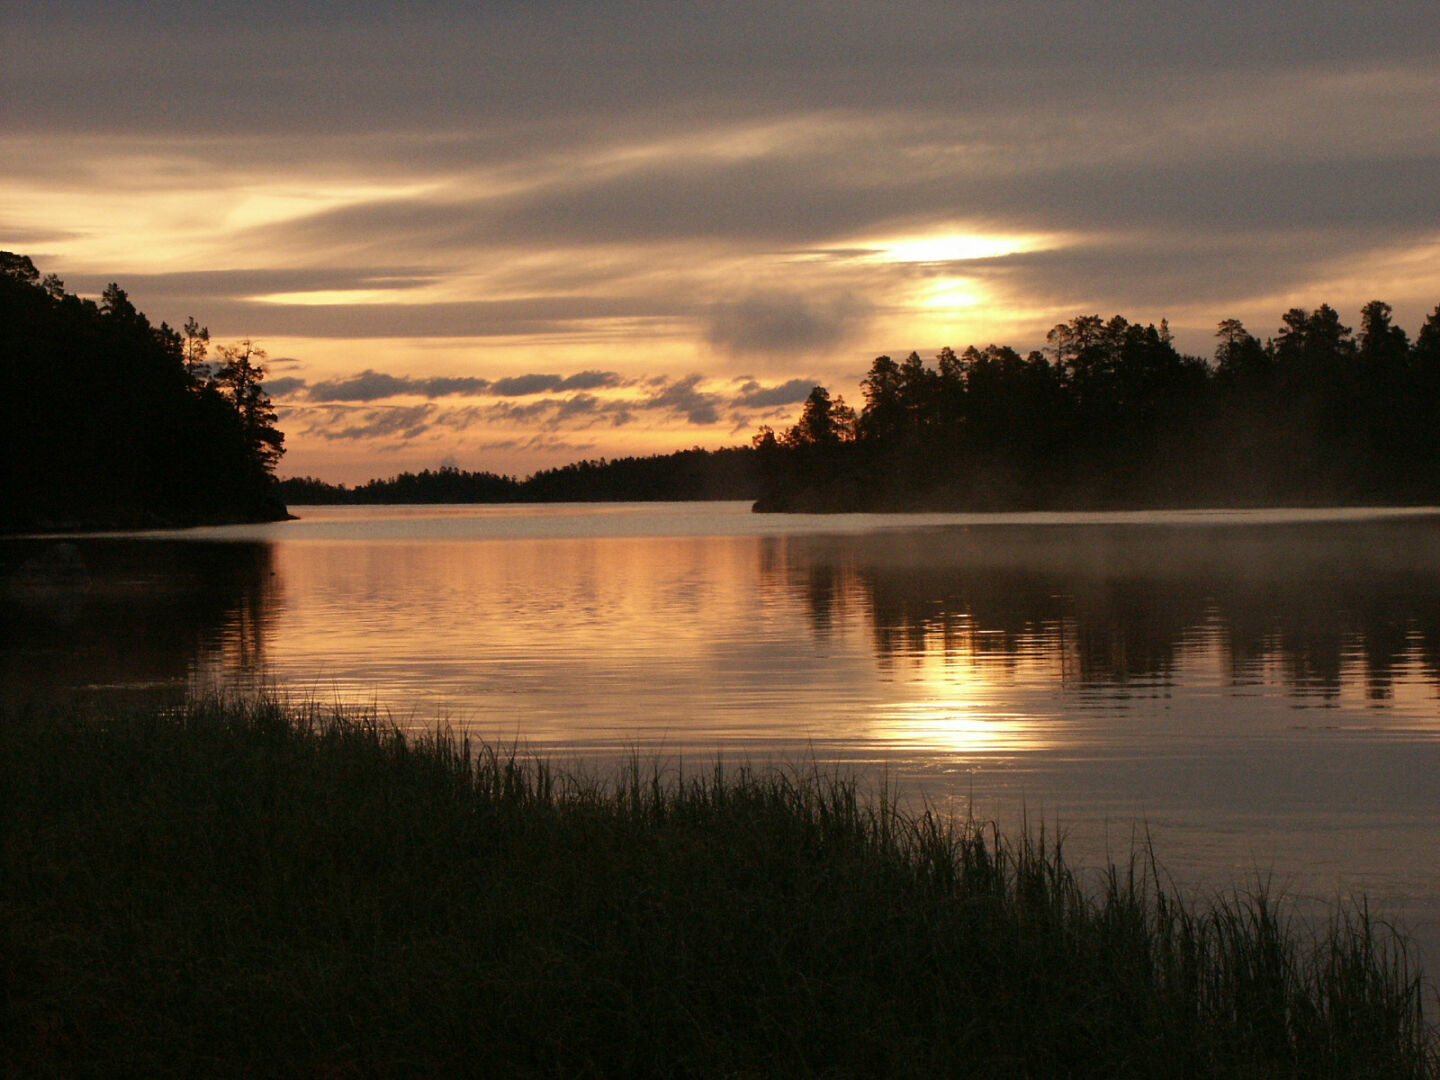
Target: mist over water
(1257, 689)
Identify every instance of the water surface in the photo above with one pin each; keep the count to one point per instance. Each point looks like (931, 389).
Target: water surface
(1257, 689)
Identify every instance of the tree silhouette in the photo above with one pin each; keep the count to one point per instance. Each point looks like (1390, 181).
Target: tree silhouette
(242, 375)
(106, 423)
(1112, 414)
(822, 422)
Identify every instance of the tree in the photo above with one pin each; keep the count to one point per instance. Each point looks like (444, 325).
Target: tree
(104, 426)
(1382, 345)
(1312, 337)
(884, 414)
(18, 268)
(822, 422)
(115, 303)
(242, 375)
(917, 386)
(197, 346)
(1426, 352)
(1240, 358)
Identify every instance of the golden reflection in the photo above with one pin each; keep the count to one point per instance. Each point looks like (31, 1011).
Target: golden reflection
(963, 695)
(960, 727)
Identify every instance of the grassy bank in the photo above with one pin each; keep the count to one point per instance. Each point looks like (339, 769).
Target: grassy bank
(248, 889)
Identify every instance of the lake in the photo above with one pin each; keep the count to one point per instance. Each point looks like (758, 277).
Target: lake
(1257, 689)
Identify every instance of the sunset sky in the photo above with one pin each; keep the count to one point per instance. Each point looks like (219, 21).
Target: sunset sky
(509, 235)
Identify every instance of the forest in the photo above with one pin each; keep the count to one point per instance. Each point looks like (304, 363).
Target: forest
(1110, 415)
(686, 475)
(111, 422)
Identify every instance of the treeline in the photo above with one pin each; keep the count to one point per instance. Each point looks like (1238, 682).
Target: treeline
(1112, 415)
(686, 475)
(109, 421)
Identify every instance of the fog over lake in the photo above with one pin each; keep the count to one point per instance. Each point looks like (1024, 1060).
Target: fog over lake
(1257, 689)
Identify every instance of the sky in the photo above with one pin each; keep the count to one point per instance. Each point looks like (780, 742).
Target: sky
(508, 235)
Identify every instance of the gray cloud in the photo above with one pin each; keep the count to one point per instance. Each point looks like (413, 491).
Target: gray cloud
(777, 322)
(449, 385)
(591, 380)
(480, 318)
(338, 420)
(523, 385)
(678, 398)
(179, 287)
(754, 395)
(367, 386)
(375, 385)
(404, 423)
(315, 69)
(681, 396)
(575, 413)
(284, 387)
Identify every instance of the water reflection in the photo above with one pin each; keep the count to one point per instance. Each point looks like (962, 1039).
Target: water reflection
(139, 622)
(1262, 697)
(1122, 611)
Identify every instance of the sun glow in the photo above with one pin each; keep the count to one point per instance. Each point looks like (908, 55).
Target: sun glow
(321, 297)
(266, 205)
(958, 247)
(952, 293)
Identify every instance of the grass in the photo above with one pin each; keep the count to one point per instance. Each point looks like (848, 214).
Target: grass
(247, 888)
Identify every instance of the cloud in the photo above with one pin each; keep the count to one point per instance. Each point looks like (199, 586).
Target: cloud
(784, 323)
(682, 397)
(343, 409)
(284, 387)
(375, 386)
(543, 442)
(448, 319)
(524, 385)
(367, 386)
(398, 423)
(387, 68)
(591, 380)
(174, 287)
(449, 385)
(577, 412)
(754, 395)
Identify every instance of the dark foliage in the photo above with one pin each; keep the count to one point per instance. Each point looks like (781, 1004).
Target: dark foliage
(110, 421)
(730, 473)
(1111, 415)
(727, 473)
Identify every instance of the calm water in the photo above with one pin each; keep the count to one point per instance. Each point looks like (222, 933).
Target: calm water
(1258, 689)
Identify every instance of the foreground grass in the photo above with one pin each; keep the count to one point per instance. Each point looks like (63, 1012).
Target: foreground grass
(249, 889)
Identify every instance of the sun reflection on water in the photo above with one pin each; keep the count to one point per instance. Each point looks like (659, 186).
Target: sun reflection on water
(959, 727)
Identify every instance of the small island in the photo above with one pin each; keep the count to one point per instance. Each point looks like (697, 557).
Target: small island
(111, 422)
